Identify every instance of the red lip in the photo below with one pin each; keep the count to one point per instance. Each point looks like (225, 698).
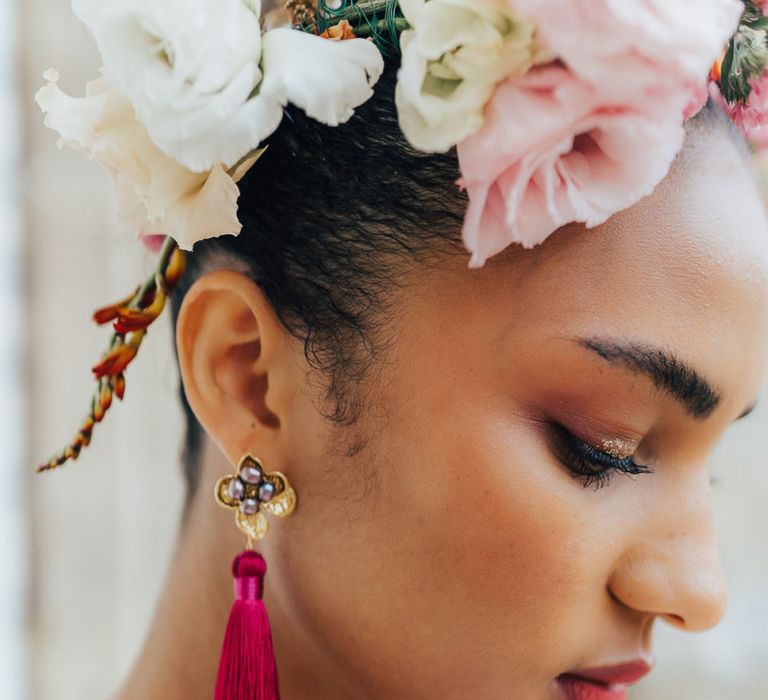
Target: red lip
(603, 683)
(629, 672)
(574, 688)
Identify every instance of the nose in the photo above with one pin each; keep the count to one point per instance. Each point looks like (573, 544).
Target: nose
(671, 568)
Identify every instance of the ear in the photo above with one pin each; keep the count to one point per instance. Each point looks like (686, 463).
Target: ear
(239, 365)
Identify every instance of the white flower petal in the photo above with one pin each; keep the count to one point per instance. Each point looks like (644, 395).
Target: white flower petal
(432, 123)
(208, 212)
(240, 170)
(327, 79)
(184, 104)
(443, 25)
(189, 67)
(452, 59)
(411, 9)
(74, 119)
(152, 188)
(237, 135)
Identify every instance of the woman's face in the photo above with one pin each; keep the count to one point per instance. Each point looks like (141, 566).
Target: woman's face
(443, 547)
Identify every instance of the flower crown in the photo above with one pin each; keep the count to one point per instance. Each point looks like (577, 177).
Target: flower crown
(561, 111)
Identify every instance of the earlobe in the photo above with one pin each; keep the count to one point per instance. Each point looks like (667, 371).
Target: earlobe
(236, 362)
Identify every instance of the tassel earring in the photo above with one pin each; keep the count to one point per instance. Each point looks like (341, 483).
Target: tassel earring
(247, 669)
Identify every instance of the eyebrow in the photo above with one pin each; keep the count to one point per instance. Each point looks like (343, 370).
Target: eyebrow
(668, 373)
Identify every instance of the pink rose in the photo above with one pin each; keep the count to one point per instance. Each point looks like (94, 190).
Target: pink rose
(153, 242)
(554, 150)
(624, 45)
(752, 116)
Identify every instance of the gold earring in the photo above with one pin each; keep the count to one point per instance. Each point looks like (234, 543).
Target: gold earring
(247, 667)
(251, 491)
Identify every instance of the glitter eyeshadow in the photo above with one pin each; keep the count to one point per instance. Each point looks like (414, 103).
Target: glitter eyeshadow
(616, 447)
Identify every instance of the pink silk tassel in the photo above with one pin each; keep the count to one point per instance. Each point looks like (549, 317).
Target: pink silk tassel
(247, 669)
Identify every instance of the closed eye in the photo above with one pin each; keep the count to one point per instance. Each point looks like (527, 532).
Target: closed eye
(588, 463)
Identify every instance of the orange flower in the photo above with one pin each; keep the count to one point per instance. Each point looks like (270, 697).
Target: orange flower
(120, 386)
(119, 357)
(717, 68)
(116, 361)
(131, 317)
(87, 426)
(82, 439)
(109, 313)
(716, 72)
(105, 397)
(176, 266)
(339, 32)
(129, 320)
(86, 430)
(98, 412)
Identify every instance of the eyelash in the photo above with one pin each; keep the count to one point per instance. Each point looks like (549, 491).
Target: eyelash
(581, 459)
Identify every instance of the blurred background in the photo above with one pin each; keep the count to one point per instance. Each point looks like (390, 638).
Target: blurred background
(83, 551)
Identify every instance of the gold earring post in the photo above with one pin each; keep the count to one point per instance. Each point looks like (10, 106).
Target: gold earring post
(252, 491)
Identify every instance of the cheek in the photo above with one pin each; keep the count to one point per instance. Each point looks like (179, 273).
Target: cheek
(497, 554)
(472, 550)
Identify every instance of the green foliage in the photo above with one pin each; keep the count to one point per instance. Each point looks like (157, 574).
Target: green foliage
(747, 55)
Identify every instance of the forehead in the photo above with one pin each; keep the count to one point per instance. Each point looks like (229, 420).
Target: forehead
(685, 269)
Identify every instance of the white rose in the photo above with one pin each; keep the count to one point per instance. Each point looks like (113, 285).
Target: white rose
(189, 68)
(208, 86)
(452, 58)
(326, 78)
(155, 192)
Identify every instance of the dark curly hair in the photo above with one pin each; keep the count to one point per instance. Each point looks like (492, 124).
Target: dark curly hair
(331, 219)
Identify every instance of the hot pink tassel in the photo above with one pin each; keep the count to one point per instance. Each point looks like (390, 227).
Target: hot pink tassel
(247, 669)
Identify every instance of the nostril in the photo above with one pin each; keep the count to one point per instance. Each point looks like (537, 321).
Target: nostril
(614, 597)
(674, 619)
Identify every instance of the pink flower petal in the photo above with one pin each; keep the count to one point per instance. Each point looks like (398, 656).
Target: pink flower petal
(554, 151)
(153, 242)
(622, 46)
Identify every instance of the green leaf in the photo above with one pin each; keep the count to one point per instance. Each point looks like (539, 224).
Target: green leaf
(729, 94)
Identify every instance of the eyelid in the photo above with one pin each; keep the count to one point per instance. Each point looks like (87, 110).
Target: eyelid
(590, 464)
(748, 411)
(617, 447)
(603, 431)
